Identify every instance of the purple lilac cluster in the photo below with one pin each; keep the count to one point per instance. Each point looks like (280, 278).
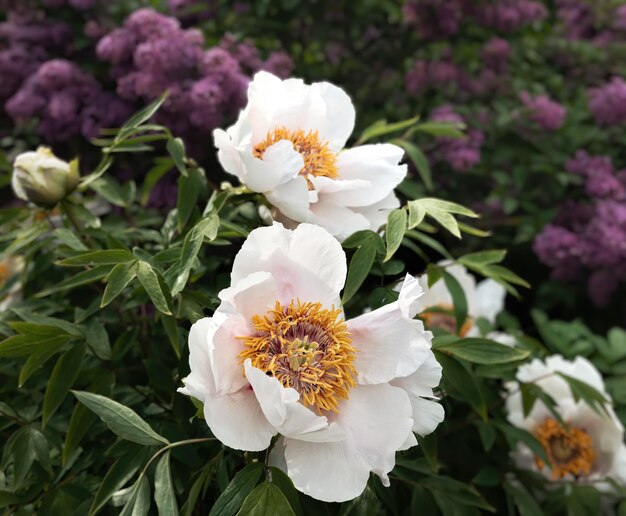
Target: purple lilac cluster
(545, 112)
(607, 103)
(434, 19)
(509, 15)
(191, 11)
(460, 153)
(151, 53)
(578, 21)
(67, 102)
(26, 41)
(588, 239)
(247, 54)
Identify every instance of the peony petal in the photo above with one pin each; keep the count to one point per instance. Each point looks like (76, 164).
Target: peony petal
(331, 472)
(284, 411)
(374, 172)
(251, 295)
(292, 199)
(427, 415)
(307, 263)
(378, 419)
(280, 163)
(389, 343)
(338, 220)
(489, 299)
(377, 213)
(423, 380)
(238, 421)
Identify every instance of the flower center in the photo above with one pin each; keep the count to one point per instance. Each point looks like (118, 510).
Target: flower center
(442, 317)
(569, 450)
(306, 347)
(319, 160)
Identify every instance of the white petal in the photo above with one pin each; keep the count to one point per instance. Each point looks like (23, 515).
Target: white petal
(336, 122)
(374, 172)
(389, 343)
(411, 441)
(423, 380)
(280, 163)
(378, 419)
(255, 294)
(489, 299)
(331, 472)
(227, 154)
(307, 263)
(338, 220)
(284, 411)
(237, 421)
(292, 199)
(427, 415)
(377, 213)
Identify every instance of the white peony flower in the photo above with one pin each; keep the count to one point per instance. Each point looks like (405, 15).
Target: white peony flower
(277, 357)
(42, 178)
(9, 268)
(288, 144)
(484, 300)
(592, 448)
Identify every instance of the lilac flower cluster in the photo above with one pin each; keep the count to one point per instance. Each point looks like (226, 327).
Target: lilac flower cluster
(579, 20)
(607, 103)
(67, 101)
(588, 238)
(247, 54)
(460, 153)
(25, 42)
(545, 112)
(151, 54)
(434, 19)
(509, 15)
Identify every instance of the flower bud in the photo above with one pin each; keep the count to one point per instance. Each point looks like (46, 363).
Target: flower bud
(42, 178)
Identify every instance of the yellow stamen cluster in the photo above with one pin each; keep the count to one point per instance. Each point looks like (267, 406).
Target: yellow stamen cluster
(442, 317)
(570, 450)
(319, 160)
(306, 347)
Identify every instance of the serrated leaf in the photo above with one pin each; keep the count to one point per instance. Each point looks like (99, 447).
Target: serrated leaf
(121, 420)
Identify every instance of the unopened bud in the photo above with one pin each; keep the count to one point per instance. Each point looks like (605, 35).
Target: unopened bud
(42, 178)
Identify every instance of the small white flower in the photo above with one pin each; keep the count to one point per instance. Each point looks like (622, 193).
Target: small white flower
(9, 268)
(277, 357)
(484, 300)
(591, 448)
(42, 178)
(288, 144)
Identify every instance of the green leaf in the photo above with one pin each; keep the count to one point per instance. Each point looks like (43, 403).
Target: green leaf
(515, 435)
(121, 420)
(161, 167)
(103, 257)
(142, 116)
(583, 391)
(61, 380)
(455, 491)
(77, 280)
(139, 502)
(171, 330)
(394, 232)
(483, 257)
(116, 477)
(458, 298)
(176, 148)
(360, 266)
(235, 493)
(464, 383)
(117, 280)
(112, 191)
(381, 127)
(154, 286)
(40, 356)
(481, 351)
(416, 214)
(189, 189)
(164, 489)
(420, 161)
(279, 478)
(266, 500)
(98, 339)
(446, 129)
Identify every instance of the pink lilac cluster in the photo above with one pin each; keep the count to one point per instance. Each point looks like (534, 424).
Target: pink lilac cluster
(438, 74)
(278, 62)
(26, 41)
(509, 15)
(607, 103)
(67, 102)
(434, 19)
(461, 154)
(588, 238)
(579, 21)
(545, 112)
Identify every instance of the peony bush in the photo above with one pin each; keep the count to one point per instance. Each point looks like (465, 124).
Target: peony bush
(228, 287)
